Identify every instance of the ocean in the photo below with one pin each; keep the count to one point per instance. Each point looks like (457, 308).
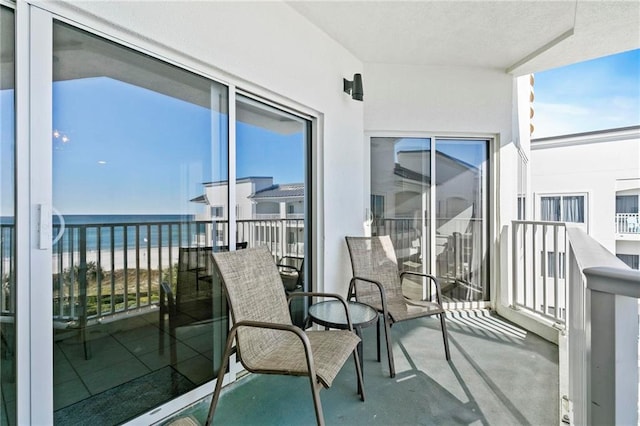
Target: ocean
(117, 231)
(126, 231)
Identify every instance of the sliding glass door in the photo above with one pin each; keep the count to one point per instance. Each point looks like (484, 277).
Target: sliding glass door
(131, 171)
(7, 218)
(272, 189)
(431, 196)
(138, 316)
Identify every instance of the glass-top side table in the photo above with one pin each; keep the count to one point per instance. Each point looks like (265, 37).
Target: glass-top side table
(331, 314)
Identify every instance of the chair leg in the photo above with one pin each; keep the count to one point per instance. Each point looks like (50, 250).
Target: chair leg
(356, 357)
(223, 368)
(316, 399)
(444, 337)
(378, 336)
(387, 335)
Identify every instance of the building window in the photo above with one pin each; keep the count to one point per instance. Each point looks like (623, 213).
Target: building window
(522, 203)
(217, 211)
(551, 264)
(377, 206)
(632, 260)
(562, 208)
(627, 204)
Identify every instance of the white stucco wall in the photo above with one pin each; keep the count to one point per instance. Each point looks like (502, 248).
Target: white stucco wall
(587, 164)
(269, 49)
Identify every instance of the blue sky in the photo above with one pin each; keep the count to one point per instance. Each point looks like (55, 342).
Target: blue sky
(129, 150)
(599, 94)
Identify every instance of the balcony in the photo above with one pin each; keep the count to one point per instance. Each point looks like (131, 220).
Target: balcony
(501, 372)
(627, 226)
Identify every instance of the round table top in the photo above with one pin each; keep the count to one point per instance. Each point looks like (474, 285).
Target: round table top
(331, 313)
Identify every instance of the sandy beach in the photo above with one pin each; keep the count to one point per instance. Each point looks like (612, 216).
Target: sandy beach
(156, 258)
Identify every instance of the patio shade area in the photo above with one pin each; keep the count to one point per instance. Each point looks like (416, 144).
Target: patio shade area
(499, 374)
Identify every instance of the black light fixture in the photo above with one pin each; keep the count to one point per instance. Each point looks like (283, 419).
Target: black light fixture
(354, 88)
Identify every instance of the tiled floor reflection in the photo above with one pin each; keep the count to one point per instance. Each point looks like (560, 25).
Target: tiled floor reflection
(122, 357)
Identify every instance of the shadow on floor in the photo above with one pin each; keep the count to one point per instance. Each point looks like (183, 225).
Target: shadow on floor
(499, 375)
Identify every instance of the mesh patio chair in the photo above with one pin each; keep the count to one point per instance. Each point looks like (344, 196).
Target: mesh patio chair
(267, 342)
(377, 282)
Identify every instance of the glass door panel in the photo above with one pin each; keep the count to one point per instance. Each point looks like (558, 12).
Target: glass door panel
(138, 315)
(461, 201)
(400, 201)
(434, 208)
(272, 190)
(7, 219)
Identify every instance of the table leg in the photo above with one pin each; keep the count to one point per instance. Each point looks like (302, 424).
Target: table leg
(358, 331)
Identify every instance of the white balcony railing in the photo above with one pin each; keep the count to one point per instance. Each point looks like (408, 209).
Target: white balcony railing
(627, 223)
(540, 269)
(593, 296)
(273, 216)
(602, 335)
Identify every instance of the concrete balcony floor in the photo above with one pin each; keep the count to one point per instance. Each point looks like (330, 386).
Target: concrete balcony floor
(499, 374)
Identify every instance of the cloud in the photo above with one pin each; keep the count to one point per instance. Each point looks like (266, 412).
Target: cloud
(599, 94)
(554, 119)
(563, 109)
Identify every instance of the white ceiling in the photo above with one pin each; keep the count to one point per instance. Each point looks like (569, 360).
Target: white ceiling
(491, 34)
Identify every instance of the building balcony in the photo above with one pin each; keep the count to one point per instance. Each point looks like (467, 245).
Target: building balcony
(627, 226)
(274, 216)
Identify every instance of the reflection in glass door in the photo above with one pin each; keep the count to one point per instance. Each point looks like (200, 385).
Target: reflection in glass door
(7, 219)
(272, 189)
(461, 206)
(431, 197)
(138, 316)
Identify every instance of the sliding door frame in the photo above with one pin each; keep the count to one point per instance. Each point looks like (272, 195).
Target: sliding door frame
(34, 112)
(492, 216)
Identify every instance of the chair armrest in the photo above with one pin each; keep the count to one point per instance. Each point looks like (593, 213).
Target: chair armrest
(283, 327)
(383, 297)
(429, 276)
(286, 265)
(328, 295)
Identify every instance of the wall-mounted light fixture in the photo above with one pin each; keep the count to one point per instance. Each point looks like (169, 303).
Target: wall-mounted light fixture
(354, 88)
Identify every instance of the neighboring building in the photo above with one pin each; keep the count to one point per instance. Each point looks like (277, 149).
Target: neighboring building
(245, 188)
(592, 179)
(266, 213)
(257, 198)
(279, 201)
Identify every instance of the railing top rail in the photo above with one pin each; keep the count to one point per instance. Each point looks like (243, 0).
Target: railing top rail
(163, 222)
(132, 223)
(589, 253)
(538, 222)
(621, 281)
